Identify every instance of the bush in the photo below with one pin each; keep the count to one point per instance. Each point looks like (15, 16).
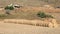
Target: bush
(41, 14)
(44, 15)
(9, 8)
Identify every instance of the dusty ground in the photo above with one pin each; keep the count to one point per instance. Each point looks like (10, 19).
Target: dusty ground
(9, 28)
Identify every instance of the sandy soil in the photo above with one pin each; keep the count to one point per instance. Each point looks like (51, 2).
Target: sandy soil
(10, 28)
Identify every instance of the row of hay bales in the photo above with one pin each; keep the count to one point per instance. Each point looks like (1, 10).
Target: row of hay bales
(44, 23)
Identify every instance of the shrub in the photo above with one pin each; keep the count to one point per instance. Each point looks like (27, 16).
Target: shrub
(44, 15)
(41, 14)
(9, 8)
